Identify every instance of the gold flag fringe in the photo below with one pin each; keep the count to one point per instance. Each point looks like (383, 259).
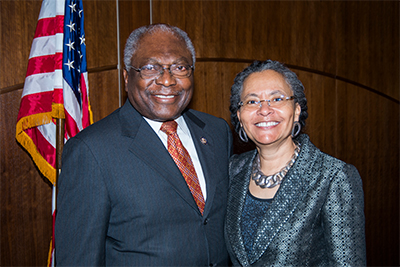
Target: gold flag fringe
(50, 256)
(26, 142)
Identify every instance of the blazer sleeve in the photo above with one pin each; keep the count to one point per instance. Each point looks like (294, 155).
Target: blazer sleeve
(82, 209)
(343, 219)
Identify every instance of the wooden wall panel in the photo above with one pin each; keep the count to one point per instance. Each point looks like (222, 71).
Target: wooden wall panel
(335, 38)
(101, 33)
(345, 52)
(133, 14)
(322, 110)
(370, 141)
(104, 95)
(212, 85)
(17, 28)
(25, 196)
(367, 43)
(102, 56)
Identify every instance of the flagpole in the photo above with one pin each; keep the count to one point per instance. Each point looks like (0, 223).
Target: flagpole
(119, 57)
(151, 12)
(59, 148)
(59, 145)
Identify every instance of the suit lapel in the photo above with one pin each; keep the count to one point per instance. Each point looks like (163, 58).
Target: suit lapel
(147, 146)
(204, 144)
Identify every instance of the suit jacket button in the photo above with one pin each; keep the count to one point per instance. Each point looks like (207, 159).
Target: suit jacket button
(205, 221)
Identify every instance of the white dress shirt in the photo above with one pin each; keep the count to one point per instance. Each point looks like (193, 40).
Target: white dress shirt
(186, 139)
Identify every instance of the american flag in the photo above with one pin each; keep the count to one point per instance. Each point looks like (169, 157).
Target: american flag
(56, 85)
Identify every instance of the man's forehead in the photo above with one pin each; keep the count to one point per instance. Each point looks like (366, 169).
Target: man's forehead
(152, 46)
(156, 38)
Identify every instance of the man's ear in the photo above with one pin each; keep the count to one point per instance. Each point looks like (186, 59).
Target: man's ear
(126, 77)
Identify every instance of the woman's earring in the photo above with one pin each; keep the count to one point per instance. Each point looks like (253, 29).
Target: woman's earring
(243, 135)
(297, 125)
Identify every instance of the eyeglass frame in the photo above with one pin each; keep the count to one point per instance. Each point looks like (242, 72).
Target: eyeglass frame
(161, 72)
(286, 98)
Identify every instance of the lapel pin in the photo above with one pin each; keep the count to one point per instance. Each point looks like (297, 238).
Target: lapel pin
(203, 141)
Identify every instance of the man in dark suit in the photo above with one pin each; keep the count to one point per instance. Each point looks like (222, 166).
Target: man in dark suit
(122, 199)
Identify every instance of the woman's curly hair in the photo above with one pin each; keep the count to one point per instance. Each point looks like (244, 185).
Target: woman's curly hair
(258, 66)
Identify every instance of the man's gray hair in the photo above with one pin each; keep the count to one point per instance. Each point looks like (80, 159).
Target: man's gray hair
(134, 38)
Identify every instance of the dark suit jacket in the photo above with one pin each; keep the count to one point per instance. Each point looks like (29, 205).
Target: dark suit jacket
(122, 201)
(315, 219)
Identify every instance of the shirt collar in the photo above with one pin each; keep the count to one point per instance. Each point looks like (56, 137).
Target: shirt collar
(182, 126)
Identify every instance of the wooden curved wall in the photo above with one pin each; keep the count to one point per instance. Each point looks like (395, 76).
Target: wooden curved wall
(346, 53)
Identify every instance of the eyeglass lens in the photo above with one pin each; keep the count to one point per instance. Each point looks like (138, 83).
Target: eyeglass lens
(156, 70)
(275, 101)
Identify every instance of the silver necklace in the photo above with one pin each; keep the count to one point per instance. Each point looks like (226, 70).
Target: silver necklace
(271, 181)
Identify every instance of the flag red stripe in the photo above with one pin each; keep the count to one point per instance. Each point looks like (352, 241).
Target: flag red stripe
(45, 149)
(71, 128)
(85, 103)
(35, 104)
(49, 26)
(58, 97)
(44, 64)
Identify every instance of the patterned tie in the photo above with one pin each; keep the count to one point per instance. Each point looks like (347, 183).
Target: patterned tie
(183, 161)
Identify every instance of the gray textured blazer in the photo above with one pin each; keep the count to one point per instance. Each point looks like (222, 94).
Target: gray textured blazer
(315, 219)
(122, 200)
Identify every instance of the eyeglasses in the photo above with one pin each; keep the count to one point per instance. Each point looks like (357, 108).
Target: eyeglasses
(274, 102)
(154, 71)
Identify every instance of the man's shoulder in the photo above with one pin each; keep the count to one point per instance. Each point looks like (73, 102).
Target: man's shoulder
(122, 117)
(103, 127)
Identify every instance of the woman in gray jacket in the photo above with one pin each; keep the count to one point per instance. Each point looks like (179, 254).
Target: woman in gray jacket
(289, 203)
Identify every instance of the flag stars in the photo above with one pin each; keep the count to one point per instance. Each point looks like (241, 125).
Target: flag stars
(73, 7)
(70, 45)
(82, 39)
(71, 26)
(80, 11)
(69, 64)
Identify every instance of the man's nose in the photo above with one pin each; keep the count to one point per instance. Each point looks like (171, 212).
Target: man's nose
(166, 78)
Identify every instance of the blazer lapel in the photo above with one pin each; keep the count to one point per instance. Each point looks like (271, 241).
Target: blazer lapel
(147, 146)
(286, 200)
(239, 187)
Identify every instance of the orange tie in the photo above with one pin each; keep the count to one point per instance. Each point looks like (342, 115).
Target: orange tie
(183, 161)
